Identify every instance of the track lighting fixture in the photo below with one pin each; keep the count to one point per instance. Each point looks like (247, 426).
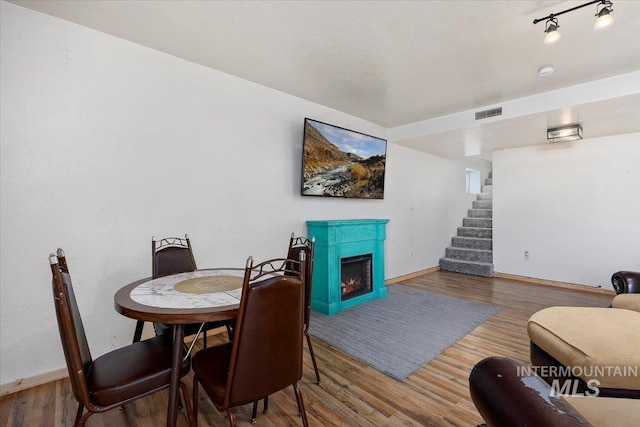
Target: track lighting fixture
(603, 14)
(551, 31)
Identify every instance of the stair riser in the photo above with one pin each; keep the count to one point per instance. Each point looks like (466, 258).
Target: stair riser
(469, 255)
(479, 213)
(477, 222)
(484, 233)
(488, 181)
(484, 270)
(464, 242)
(482, 204)
(484, 196)
(487, 189)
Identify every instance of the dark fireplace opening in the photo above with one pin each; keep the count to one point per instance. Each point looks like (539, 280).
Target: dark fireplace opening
(355, 277)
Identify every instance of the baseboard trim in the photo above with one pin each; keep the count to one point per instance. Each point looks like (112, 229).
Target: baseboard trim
(411, 275)
(553, 283)
(36, 380)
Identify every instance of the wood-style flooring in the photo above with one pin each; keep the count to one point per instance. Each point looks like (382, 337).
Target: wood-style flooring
(351, 393)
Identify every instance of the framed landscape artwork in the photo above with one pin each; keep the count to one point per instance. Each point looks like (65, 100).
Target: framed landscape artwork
(339, 162)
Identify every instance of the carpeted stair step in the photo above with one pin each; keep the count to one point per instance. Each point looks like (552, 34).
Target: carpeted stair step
(466, 267)
(484, 196)
(472, 242)
(479, 213)
(491, 174)
(466, 254)
(487, 189)
(484, 233)
(488, 181)
(477, 222)
(482, 204)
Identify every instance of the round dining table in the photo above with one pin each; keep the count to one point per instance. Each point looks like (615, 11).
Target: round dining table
(178, 299)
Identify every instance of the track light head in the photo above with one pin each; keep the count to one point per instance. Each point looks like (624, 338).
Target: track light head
(551, 31)
(604, 15)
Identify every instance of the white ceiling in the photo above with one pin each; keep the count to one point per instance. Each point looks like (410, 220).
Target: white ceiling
(405, 65)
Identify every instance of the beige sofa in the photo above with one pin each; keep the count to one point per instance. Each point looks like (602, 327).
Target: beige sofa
(599, 348)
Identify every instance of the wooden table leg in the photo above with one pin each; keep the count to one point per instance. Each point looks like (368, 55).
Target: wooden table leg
(178, 338)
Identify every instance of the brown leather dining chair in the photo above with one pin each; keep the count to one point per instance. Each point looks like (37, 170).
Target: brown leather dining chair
(296, 246)
(117, 377)
(266, 353)
(173, 255)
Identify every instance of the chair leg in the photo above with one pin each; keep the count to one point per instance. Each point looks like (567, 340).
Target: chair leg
(303, 413)
(265, 405)
(187, 403)
(79, 414)
(232, 417)
(195, 401)
(229, 331)
(313, 359)
(205, 339)
(137, 335)
(81, 419)
(254, 412)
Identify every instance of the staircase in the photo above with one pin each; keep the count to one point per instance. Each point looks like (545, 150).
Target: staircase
(471, 251)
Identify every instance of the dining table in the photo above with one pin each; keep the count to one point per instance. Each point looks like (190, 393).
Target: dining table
(199, 296)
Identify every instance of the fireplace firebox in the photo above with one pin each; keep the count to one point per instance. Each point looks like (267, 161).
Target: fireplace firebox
(355, 276)
(348, 266)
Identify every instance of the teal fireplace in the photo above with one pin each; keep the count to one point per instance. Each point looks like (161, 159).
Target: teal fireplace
(348, 263)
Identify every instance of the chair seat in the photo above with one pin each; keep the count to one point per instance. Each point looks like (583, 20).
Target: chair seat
(211, 366)
(132, 370)
(606, 411)
(585, 337)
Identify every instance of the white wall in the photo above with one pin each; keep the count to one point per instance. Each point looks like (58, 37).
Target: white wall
(105, 143)
(574, 206)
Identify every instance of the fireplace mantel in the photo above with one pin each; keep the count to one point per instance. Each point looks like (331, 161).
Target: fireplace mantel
(337, 240)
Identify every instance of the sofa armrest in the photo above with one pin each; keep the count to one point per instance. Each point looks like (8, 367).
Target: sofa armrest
(627, 301)
(626, 282)
(506, 396)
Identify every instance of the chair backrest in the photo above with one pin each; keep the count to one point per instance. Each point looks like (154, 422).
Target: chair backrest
(74, 341)
(267, 346)
(62, 261)
(171, 255)
(296, 246)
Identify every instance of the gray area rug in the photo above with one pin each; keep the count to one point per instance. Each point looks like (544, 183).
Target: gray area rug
(403, 331)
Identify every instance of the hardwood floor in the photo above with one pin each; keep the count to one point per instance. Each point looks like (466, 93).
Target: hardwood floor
(351, 393)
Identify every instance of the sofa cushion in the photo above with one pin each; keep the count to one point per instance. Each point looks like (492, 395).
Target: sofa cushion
(606, 411)
(592, 342)
(628, 301)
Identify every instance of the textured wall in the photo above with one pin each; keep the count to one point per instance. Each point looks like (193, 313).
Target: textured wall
(106, 143)
(573, 206)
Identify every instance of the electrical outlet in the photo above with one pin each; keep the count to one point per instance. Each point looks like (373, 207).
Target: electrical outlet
(526, 255)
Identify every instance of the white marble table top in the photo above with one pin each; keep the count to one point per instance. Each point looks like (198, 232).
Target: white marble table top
(160, 292)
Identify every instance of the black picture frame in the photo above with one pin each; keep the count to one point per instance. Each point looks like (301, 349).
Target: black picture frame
(343, 163)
